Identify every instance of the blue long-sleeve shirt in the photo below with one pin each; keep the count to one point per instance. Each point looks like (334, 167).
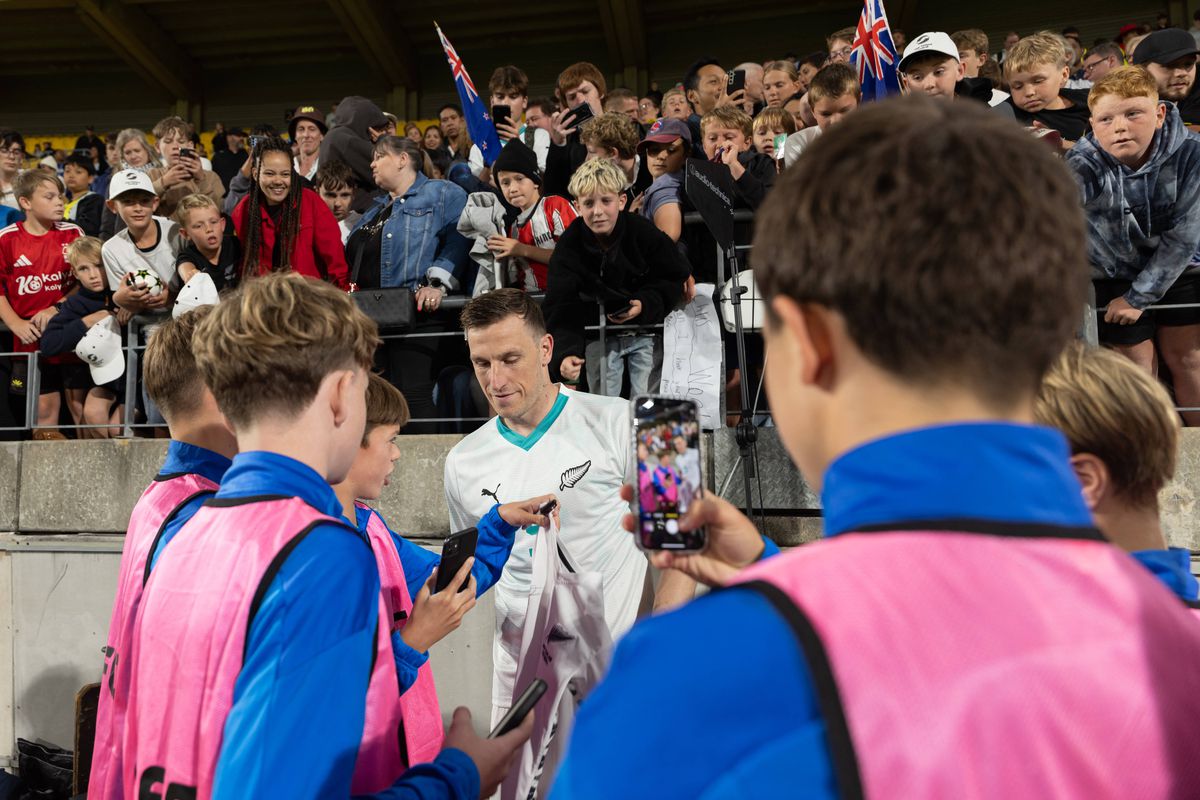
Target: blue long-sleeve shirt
(299, 701)
(1173, 567)
(763, 734)
(184, 459)
(494, 544)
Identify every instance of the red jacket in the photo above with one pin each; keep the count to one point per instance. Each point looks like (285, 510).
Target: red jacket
(318, 252)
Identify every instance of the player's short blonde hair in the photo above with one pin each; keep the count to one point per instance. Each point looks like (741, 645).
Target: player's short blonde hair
(1109, 407)
(265, 349)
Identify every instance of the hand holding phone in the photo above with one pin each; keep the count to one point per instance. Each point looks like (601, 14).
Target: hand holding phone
(457, 548)
(735, 81)
(501, 115)
(666, 439)
(579, 115)
(520, 709)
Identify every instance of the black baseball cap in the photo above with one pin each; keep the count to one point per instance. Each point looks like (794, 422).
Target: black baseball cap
(1165, 46)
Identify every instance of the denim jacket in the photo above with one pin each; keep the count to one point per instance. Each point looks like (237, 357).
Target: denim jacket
(1143, 224)
(421, 237)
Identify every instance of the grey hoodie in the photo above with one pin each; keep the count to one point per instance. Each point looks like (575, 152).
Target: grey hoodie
(349, 141)
(1144, 224)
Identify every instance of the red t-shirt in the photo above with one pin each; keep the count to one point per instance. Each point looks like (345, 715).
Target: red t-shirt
(34, 271)
(551, 216)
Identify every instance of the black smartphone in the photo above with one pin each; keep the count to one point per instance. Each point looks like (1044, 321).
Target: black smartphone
(736, 81)
(579, 115)
(525, 703)
(623, 310)
(501, 115)
(547, 507)
(187, 152)
(666, 437)
(457, 548)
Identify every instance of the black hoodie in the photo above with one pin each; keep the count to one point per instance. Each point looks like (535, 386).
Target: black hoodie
(640, 263)
(349, 141)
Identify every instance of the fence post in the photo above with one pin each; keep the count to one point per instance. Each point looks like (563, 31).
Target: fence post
(131, 340)
(603, 351)
(33, 386)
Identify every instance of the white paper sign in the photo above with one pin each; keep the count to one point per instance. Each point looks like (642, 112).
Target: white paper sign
(692, 355)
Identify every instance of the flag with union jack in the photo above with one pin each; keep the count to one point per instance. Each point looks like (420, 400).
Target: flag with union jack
(874, 53)
(475, 110)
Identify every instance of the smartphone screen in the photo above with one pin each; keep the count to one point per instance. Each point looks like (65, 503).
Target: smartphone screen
(501, 114)
(669, 476)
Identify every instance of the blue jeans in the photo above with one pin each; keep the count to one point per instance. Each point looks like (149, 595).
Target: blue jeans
(642, 351)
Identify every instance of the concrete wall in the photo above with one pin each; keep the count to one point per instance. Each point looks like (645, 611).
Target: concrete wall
(57, 584)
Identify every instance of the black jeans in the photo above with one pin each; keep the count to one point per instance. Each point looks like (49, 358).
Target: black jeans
(412, 365)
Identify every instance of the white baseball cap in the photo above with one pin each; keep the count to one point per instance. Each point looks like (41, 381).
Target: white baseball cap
(932, 42)
(100, 347)
(199, 291)
(129, 180)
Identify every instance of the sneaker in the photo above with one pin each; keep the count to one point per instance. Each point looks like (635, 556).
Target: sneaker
(48, 435)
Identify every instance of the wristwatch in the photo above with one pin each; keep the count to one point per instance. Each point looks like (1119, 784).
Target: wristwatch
(435, 283)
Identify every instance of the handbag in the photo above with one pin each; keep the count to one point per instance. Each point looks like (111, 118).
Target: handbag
(392, 308)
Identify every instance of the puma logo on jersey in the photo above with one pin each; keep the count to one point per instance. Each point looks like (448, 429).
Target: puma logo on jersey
(494, 495)
(22, 261)
(573, 476)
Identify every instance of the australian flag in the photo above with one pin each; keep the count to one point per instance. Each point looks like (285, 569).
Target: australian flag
(475, 110)
(874, 53)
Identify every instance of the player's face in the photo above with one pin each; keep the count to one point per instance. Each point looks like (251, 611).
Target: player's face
(510, 363)
(375, 462)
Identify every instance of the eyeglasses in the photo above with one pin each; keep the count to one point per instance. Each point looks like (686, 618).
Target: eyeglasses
(1091, 65)
(15, 152)
(843, 53)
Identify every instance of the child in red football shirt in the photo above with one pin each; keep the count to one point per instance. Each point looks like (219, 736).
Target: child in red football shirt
(542, 219)
(34, 276)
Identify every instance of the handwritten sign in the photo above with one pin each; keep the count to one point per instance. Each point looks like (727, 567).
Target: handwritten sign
(692, 355)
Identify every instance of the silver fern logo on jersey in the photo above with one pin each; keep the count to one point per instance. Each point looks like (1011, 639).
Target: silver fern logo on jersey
(573, 476)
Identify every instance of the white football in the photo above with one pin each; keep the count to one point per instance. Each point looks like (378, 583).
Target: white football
(148, 278)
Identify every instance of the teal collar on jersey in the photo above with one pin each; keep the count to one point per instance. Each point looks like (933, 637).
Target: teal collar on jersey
(527, 442)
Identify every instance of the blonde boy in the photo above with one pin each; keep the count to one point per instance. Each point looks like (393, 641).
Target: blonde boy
(1037, 73)
(197, 459)
(1140, 152)
(1124, 436)
(621, 260)
(208, 248)
(89, 403)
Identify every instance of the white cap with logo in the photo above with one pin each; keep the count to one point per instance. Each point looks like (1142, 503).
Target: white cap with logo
(199, 291)
(932, 42)
(100, 347)
(130, 180)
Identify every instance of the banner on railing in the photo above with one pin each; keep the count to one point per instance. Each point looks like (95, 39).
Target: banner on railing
(692, 356)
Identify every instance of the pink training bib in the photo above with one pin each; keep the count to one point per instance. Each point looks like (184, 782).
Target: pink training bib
(1016, 663)
(150, 516)
(191, 633)
(415, 715)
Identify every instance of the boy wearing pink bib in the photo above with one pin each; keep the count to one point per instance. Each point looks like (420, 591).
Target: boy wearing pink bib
(401, 695)
(256, 634)
(963, 630)
(1124, 435)
(197, 458)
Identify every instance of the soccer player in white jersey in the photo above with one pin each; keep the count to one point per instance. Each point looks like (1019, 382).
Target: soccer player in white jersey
(547, 439)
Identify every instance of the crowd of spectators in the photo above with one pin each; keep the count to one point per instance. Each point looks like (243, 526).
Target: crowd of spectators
(586, 204)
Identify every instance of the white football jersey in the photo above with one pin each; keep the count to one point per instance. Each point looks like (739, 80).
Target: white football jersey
(582, 452)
